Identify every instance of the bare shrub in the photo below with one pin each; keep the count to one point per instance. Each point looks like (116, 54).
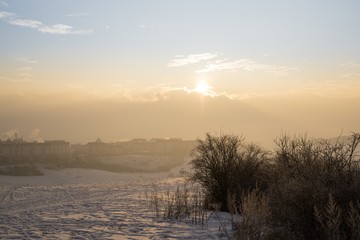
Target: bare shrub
(304, 173)
(308, 189)
(226, 165)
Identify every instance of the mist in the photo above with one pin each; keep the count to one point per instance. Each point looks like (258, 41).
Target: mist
(177, 114)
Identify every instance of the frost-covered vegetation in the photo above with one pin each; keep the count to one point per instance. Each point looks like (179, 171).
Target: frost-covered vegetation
(304, 189)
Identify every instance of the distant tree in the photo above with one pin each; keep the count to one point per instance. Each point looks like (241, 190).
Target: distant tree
(225, 166)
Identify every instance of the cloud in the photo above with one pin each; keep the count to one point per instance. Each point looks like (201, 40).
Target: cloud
(26, 75)
(246, 65)
(181, 60)
(26, 60)
(13, 80)
(22, 80)
(79, 14)
(25, 23)
(151, 26)
(350, 75)
(352, 70)
(63, 29)
(4, 14)
(226, 65)
(25, 69)
(4, 4)
(351, 65)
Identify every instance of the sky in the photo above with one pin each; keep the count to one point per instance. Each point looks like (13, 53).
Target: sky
(78, 70)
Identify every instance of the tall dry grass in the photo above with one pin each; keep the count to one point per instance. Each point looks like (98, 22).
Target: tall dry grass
(185, 203)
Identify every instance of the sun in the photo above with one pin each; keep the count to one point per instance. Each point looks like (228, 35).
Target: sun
(203, 88)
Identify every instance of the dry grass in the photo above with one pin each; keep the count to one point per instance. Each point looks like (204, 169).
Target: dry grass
(353, 220)
(333, 221)
(330, 219)
(254, 223)
(185, 203)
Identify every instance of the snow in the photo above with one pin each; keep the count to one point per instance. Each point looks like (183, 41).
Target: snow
(93, 204)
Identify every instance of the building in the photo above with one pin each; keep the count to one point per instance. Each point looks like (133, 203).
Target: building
(19, 151)
(155, 146)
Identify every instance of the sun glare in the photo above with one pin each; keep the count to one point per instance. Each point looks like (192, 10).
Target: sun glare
(203, 88)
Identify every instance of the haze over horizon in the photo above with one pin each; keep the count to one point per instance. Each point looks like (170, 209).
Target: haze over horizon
(128, 69)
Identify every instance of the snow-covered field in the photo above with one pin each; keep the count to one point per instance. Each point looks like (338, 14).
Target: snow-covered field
(92, 204)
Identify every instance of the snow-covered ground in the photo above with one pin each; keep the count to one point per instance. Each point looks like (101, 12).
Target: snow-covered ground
(92, 204)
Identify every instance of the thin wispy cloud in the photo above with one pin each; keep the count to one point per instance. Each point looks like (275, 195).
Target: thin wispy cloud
(79, 14)
(62, 29)
(226, 65)
(245, 65)
(151, 26)
(26, 23)
(350, 75)
(4, 14)
(26, 75)
(26, 60)
(352, 70)
(25, 69)
(4, 4)
(181, 60)
(351, 65)
(21, 79)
